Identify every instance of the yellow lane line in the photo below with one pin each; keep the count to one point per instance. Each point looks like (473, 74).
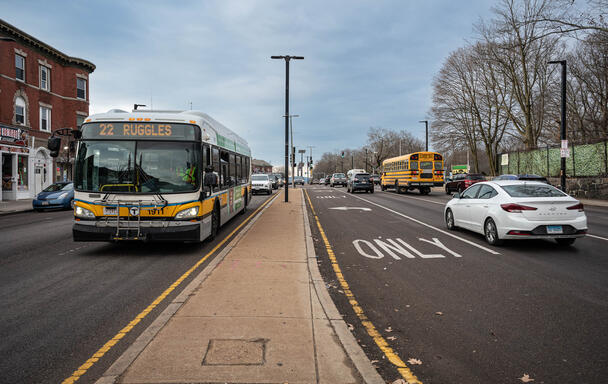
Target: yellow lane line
(390, 354)
(122, 333)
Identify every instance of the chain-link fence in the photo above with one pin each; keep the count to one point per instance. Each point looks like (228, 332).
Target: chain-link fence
(586, 160)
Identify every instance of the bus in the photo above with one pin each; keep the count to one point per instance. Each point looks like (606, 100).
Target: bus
(157, 175)
(418, 170)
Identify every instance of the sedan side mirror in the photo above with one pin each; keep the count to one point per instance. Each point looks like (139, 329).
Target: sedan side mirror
(456, 196)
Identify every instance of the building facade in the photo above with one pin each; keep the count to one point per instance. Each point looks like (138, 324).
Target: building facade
(260, 166)
(41, 90)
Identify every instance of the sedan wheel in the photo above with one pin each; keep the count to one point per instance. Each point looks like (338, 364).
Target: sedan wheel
(449, 220)
(491, 233)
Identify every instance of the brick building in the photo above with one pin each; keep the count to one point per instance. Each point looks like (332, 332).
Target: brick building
(41, 91)
(260, 166)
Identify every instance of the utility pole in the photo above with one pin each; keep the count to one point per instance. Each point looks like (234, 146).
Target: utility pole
(293, 153)
(287, 59)
(564, 147)
(365, 159)
(426, 123)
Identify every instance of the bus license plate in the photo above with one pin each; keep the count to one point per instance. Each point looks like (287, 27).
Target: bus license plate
(554, 229)
(110, 210)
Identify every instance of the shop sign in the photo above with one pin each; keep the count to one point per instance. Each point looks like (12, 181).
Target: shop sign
(11, 134)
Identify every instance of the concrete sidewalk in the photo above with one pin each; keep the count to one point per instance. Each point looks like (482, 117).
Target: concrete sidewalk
(260, 315)
(15, 206)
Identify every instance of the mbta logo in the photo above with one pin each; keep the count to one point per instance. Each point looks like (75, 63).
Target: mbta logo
(134, 211)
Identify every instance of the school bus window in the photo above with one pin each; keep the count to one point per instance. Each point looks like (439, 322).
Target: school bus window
(413, 165)
(438, 165)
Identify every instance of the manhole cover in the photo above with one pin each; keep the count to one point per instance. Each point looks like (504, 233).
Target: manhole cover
(235, 352)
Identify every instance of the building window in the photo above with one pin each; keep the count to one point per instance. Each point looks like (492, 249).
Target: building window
(20, 111)
(45, 119)
(22, 170)
(81, 88)
(79, 121)
(45, 78)
(20, 67)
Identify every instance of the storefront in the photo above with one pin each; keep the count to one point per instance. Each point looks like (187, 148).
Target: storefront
(25, 171)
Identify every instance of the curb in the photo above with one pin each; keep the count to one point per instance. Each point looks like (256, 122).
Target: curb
(348, 341)
(7, 213)
(132, 352)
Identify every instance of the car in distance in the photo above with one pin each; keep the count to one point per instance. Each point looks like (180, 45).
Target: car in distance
(57, 195)
(280, 179)
(462, 181)
(542, 179)
(515, 209)
(375, 178)
(360, 182)
(298, 180)
(274, 180)
(261, 182)
(337, 179)
(327, 180)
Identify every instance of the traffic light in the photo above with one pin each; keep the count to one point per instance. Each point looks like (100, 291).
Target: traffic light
(54, 145)
(342, 154)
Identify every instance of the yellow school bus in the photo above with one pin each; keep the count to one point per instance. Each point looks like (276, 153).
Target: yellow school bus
(418, 170)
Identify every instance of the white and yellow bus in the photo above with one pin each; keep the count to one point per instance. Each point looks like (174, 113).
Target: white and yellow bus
(418, 170)
(157, 175)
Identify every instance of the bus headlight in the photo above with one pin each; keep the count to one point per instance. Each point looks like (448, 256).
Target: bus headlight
(83, 212)
(188, 213)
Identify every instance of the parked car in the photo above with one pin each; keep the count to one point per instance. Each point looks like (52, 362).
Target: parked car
(462, 181)
(337, 179)
(327, 179)
(261, 182)
(515, 209)
(360, 181)
(58, 195)
(298, 180)
(274, 180)
(542, 179)
(375, 178)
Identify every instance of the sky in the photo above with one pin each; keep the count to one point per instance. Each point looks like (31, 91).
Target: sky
(367, 63)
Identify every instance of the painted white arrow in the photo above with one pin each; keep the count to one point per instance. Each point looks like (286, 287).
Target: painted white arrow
(348, 208)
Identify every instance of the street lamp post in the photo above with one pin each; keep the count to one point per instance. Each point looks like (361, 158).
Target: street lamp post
(564, 146)
(293, 156)
(426, 123)
(365, 159)
(287, 59)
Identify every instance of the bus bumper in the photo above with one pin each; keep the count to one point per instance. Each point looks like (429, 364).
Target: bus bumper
(177, 231)
(425, 184)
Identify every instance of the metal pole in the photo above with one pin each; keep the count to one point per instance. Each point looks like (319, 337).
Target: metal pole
(286, 126)
(563, 178)
(293, 158)
(366, 160)
(426, 123)
(352, 161)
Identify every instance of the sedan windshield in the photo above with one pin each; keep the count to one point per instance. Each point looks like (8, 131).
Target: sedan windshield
(532, 190)
(59, 187)
(137, 167)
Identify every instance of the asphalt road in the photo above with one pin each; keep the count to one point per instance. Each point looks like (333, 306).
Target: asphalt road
(468, 312)
(61, 301)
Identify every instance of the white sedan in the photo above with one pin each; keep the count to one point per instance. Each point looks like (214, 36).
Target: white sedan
(514, 209)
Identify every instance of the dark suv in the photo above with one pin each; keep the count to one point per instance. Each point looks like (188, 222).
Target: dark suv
(463, 181)
(360, 181)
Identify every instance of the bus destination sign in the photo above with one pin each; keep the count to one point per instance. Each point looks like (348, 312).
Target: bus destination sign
(137, 130)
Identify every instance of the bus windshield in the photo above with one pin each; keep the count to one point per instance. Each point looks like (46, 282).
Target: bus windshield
(137, 167)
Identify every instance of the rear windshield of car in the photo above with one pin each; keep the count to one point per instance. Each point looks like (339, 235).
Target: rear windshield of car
(59, 187)
(259, 177)
(363, 176)
(338, 175)
(532, 190)
(475, 177)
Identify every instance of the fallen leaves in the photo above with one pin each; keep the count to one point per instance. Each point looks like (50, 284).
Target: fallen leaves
(526, 378)
(414, 361)
(391, 338)
(439, 313)
(350, 327)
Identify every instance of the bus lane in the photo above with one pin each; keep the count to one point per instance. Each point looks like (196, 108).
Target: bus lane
(452, 308)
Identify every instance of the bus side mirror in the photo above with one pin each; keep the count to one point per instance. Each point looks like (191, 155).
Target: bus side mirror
(54, 145)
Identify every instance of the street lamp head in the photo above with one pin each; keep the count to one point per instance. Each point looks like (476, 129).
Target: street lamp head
(287, 57)
(423, 121)
(556, 62)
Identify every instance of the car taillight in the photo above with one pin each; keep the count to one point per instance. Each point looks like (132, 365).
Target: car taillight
(516, 208)
(578, 207)
(467, 182)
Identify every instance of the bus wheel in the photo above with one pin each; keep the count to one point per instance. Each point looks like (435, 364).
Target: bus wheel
(215, 222)
(245, 199)
(382, 187)
(425, 190)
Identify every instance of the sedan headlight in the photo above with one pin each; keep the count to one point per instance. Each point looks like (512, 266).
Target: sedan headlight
(188, 213)
(83, 212)
(63, 195)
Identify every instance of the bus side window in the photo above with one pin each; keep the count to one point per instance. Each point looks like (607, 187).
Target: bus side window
(232, 170)
(224, 166)
(216, 163)
(238, 169)
(247, 168)
(244, 170)
(206, 157)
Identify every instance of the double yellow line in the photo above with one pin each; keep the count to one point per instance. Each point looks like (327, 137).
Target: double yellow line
(405, 372)
(123, 332)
